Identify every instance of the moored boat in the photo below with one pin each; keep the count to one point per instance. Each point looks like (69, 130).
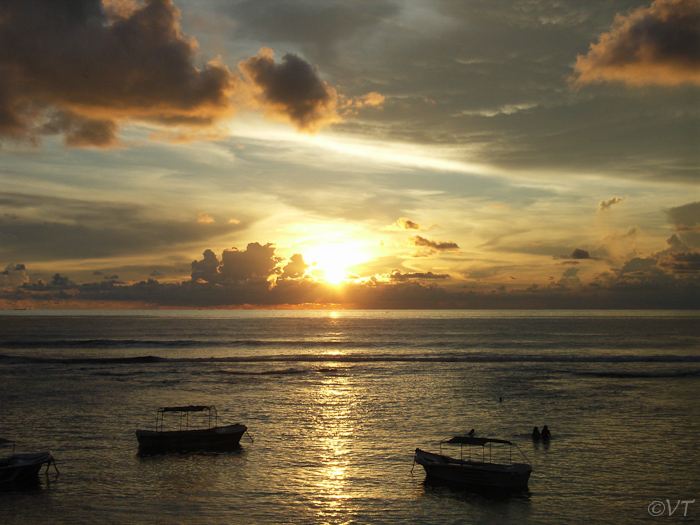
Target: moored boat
(212, 438)
(19, 469)
(478, 469)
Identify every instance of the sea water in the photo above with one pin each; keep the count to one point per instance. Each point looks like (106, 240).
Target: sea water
(336, 403)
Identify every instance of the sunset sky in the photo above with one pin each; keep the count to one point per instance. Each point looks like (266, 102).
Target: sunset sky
(373, 154)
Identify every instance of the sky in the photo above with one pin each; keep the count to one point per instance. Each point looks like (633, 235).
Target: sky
(349, 154)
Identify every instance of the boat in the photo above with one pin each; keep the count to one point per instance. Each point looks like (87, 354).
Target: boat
(19, 469)
(212, 438)
(478, 469)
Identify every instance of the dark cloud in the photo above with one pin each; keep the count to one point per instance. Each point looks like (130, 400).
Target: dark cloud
(433, 245)
(207, 269)
(82, 69)
(659, 44)
(578, 253)
(398, 276)
(290, 90)
(296, 267)
(607, 204)
(256, 263)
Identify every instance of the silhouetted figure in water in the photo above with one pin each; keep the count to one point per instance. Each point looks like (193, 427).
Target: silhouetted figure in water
(500, 399)
(471, 432)
(545, 432)
(536, 434)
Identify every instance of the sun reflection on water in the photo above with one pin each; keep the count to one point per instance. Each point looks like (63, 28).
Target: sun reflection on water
(335, 420)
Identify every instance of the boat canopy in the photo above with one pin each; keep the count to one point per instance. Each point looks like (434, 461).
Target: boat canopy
(478, 441)
(189, 408)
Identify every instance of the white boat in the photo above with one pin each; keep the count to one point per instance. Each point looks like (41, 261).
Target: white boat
(19, 469)
(212, 438)
(478, 469)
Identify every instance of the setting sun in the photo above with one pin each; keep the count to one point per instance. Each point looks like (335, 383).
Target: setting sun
(332, 262)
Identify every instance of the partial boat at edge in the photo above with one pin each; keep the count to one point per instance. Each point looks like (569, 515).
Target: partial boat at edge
(20, 469)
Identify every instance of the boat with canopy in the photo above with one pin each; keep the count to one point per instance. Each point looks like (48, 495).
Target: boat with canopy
(486, 465)
(210, 437)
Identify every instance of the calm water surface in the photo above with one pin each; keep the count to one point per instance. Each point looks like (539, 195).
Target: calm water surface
(336, 402)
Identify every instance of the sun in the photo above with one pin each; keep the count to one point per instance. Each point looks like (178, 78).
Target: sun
(333, 261)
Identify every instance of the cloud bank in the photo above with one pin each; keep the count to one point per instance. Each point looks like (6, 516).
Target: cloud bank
(658, 45)
(258, 277)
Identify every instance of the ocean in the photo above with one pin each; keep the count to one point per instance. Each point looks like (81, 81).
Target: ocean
(336, 403)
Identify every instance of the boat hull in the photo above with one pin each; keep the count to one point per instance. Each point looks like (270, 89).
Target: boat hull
(216, 439)
(22, 468)
(444, 469)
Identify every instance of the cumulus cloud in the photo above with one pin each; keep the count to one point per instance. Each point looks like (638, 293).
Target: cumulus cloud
(13, 275)
(290, 90)
(207, 269)
(433, 245)
(402, 224)
(296, 267)
(254, 265)
(659, 44)
(83, 69)
(607, 204)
